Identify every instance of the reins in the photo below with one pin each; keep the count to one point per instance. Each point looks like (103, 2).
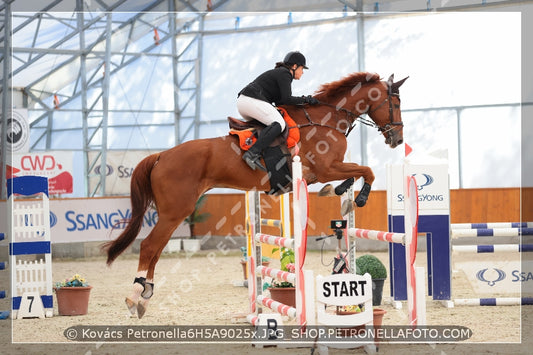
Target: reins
(350, 114)
(353, 117)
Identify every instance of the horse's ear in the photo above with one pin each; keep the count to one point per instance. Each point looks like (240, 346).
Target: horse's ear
(395, 86)
(391, 79)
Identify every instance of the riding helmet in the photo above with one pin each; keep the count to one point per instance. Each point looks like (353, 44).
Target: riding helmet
(295, 57)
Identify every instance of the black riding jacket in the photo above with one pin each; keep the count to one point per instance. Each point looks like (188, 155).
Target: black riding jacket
(273, 86)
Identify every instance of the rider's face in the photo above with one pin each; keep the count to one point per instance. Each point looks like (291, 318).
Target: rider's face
(298, 71)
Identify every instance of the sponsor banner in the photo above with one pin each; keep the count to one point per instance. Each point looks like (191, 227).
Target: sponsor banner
(118, 170)
(18, 131)
(94, 220)
(433, 188)
(56, 166)
(497, 277)
(101, 219)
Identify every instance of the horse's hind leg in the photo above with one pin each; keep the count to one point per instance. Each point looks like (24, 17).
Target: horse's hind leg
(142, 305)
(151, 249)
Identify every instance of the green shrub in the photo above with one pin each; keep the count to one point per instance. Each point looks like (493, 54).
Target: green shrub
(372, 265)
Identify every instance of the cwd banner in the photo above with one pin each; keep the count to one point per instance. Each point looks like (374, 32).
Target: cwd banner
(56, 166)
(118, 170)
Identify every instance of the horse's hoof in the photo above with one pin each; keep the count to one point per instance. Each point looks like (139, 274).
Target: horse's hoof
(327, 190)
(362, 197)
(347, 207)
(141, 308)
(132, 306)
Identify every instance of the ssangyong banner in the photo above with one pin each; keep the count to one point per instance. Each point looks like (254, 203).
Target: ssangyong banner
(55, 165)
(433, 188)
(93, 219)
(118, 170)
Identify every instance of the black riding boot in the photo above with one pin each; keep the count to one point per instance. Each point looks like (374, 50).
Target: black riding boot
(252, 157)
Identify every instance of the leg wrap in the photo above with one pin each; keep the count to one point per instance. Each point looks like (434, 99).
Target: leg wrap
(148, 287)
(339, 190)
(361, 199)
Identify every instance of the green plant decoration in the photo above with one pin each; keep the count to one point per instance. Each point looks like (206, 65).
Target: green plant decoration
(372, 265)
(287, 259)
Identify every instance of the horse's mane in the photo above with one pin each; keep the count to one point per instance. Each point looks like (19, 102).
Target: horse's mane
(329, 90)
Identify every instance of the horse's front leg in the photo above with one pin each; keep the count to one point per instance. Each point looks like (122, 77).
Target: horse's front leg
(348, 172)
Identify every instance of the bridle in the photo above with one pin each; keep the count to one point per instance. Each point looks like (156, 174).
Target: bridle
(354, 117)
(391, 125)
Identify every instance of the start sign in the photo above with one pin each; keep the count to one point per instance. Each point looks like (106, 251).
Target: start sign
(340, 289)
(344, 289)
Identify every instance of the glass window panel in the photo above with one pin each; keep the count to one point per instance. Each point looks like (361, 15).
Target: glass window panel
(433, 134)
(67, 140)
(490, 147)
(142, 137)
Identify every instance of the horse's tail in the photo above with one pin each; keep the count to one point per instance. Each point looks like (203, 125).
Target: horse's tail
(141, 196)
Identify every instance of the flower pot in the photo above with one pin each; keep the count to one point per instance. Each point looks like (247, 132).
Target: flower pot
(378, 320)
(377, 291)
(73, 301)
(191, 245)
(378, 317)
(285, 295)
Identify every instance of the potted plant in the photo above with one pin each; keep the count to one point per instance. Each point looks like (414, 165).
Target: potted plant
(284, 291)
(372, 265)
(72, 296)
(192, 244)
(265, 261)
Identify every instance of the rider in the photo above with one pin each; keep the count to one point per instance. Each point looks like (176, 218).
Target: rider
(257, 100)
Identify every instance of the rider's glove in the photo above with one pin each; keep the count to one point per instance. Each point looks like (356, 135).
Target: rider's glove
(310, 100)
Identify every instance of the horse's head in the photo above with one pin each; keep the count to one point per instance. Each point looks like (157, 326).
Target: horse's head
(384, 110)
(369, 95)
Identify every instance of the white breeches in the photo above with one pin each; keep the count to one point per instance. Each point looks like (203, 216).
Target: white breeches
(251, 108)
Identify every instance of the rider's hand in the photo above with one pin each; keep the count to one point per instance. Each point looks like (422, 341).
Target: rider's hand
(311, 100)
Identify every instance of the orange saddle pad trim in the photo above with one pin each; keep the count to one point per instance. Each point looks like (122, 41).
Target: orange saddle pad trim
(294, 132)
(247, 137)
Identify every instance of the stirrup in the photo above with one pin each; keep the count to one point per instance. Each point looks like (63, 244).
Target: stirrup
(253, 160)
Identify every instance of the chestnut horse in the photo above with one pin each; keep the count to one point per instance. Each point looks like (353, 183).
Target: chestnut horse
(174, 179)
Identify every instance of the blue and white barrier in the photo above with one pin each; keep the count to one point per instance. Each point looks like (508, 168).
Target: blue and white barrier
(434, 220)
(492, 225)
(3, 314)
(30, 235)
(493, 248)
(504, 301)
(491, 232)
